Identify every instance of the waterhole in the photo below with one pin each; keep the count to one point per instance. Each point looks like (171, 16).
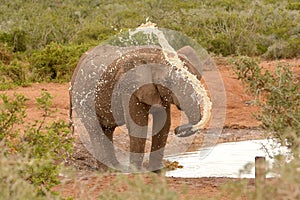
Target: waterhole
(225, 160)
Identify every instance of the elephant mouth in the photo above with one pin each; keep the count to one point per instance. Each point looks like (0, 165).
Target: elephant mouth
(185, 130)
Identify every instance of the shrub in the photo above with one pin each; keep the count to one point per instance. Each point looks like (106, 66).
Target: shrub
(12, 113)
(14, 74)
(55, 62)
(13, 71)
(5, 55)
(13, 183)
(47, 31)
(277, 94)
(17, 40)
(43, 146)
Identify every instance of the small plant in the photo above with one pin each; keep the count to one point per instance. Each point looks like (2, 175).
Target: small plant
(12, 113)
(43, 145)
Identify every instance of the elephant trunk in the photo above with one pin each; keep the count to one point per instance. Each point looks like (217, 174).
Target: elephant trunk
(201, 120)
(191, 128)
(185, 130)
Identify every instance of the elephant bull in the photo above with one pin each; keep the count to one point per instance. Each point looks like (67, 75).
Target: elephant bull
(132, 86)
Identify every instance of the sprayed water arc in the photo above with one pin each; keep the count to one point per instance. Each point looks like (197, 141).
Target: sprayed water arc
(172, 57)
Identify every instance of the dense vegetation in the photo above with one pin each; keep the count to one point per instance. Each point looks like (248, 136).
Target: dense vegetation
(42, 40)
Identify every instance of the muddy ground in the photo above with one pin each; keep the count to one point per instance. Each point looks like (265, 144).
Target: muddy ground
(240, 124)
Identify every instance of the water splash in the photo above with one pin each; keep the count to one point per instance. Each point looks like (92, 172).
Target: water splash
(171, 56)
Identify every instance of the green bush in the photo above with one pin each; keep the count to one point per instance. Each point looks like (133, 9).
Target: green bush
(277, 94)
(13, 71)
(12, 113)
(55, 62)
(6, 56)
(16, 40)
(42, 145)
(225, 27)
(19, 40)
(14, 74)
(294, 5)
(92, 33)
(13, 183)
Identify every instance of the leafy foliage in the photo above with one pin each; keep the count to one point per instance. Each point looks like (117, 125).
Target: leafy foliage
(13, 183)
(13, 74)
(55, 62)
(12, 113)
(278, 94)
(43, 146)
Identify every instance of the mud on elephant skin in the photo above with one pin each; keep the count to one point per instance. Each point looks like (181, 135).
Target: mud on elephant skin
(139, 83)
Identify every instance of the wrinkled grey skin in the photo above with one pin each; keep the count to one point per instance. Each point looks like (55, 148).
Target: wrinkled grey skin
(152, 87)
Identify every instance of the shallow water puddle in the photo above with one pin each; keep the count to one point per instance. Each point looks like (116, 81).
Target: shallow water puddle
(225, 160)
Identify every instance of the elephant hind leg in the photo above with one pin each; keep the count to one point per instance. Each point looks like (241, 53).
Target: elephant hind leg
(159, 138)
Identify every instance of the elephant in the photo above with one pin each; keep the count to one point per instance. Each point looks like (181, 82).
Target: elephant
(136, 84)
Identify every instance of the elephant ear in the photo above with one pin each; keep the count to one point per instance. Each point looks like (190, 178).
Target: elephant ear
(187, 52)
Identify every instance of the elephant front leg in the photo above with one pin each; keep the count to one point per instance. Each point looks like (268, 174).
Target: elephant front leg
(137, 124)
(161, 128)
(110, 155)
(137, 148)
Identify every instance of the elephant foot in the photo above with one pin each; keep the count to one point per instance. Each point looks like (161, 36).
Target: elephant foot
(121, 168)
(160, 172)
(102, 167)
(157, 168)
(137, 169)
(113, 167)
